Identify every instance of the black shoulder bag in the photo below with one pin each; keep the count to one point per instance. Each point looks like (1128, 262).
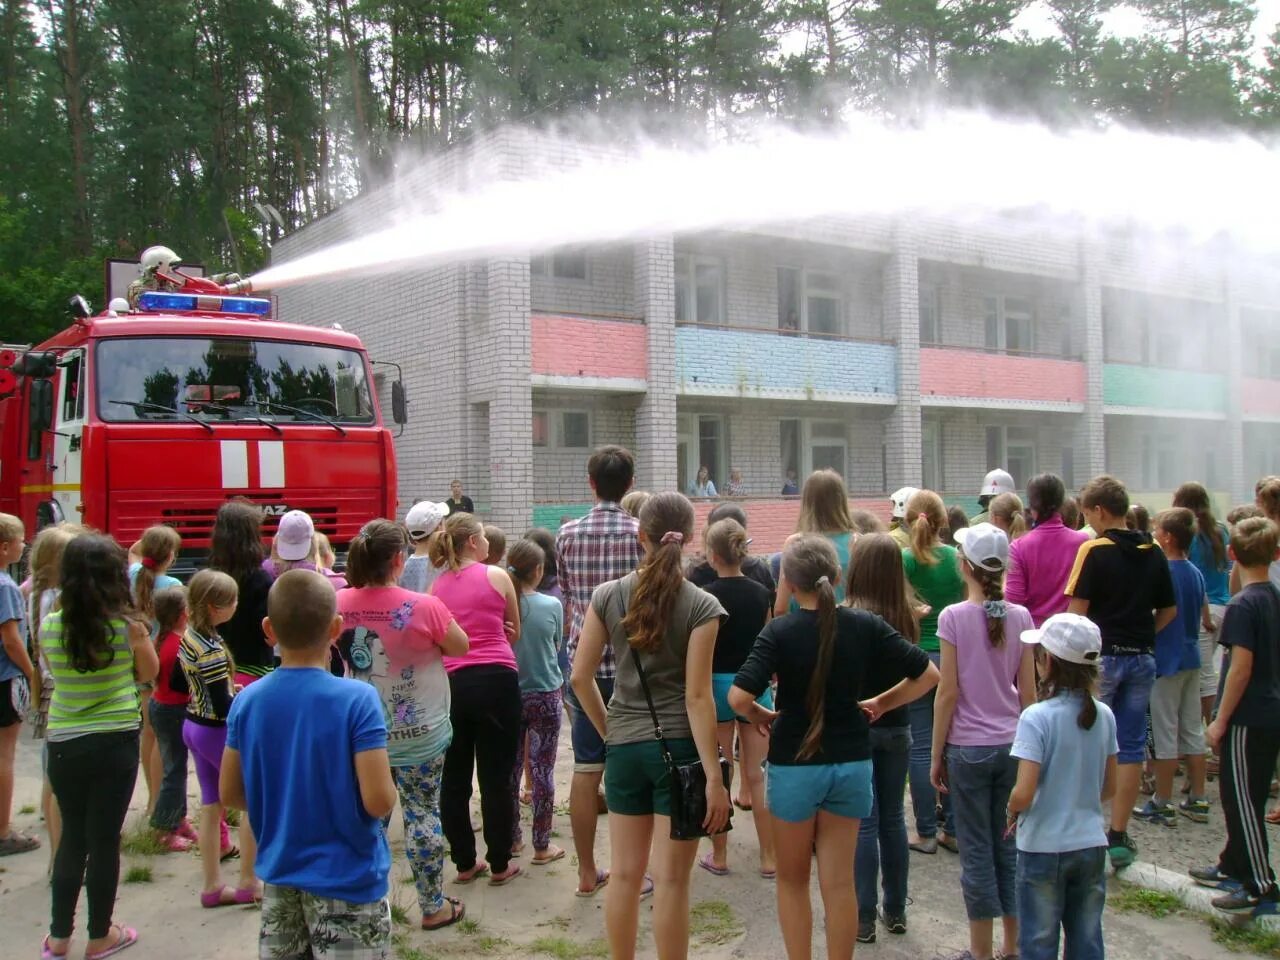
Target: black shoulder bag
(688, 780)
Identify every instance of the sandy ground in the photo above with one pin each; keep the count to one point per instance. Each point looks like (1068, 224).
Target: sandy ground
(735, 916)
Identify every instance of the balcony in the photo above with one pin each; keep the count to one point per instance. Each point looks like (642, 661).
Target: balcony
(582, 353)
(1260, 399)
(733, 362)
(1133, 389)
(961, 377)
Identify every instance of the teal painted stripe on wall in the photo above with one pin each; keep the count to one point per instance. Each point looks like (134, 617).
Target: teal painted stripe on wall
(1126, 385)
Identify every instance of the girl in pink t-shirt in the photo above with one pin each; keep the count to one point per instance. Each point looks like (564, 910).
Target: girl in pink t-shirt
(396, 640)
(485, 687)
(988, 678)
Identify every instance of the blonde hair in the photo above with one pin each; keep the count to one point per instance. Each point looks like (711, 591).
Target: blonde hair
(1254, 542)
(927, 518)
(157, 548)
(634, 502)
(11, 528)
(45, 564)
(824, 504)
(322, 550)
(444, 546)
(1007, 507)
(209, 588)
(727, 540)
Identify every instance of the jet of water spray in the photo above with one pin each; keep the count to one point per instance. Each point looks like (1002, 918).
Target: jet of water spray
(954, 165)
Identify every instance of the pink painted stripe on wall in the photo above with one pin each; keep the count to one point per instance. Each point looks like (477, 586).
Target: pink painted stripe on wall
(577, 347)
(974, 373)
(770, 522)
(1259, 397)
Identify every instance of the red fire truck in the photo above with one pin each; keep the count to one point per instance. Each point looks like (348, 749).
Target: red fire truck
(159, 415)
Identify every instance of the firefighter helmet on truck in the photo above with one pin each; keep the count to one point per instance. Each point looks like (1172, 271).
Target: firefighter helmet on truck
(157, 258)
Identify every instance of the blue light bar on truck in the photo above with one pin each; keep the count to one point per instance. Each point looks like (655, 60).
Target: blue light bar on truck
(153, 301)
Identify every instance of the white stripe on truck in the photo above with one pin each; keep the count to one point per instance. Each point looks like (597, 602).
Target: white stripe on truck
(235, 464)
(271, 463)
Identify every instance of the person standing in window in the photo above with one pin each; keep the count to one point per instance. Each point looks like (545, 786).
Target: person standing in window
(703, 486)
(458, 501)
(791, 485)
(736, 487)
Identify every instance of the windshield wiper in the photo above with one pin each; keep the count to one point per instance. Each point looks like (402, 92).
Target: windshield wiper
(223, 408)
(161, 408)
(296, 411)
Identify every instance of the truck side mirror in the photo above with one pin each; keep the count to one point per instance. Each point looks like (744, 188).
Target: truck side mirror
(39, 415)
(399, 413)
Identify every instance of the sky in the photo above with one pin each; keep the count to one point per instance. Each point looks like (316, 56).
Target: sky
(1125, 21)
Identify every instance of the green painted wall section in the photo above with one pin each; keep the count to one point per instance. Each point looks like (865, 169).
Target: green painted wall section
(548, 514)
(1125, 385)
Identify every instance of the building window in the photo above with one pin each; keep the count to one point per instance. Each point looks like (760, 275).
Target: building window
(699, 290)
(701, 442)
(1009, 322)
(1261, 341)
(562, 429)
(789, 432)
(1160, 470)
(560, 265)
(930, 319)
(931, 455)
(828, 446)
(1069, 467)
(1012, 449)
(809, 301)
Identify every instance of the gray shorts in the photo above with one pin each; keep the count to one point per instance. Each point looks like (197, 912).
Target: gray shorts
(1177, 729)
(1210, 653)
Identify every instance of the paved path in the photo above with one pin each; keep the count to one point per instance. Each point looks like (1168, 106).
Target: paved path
(542, 905)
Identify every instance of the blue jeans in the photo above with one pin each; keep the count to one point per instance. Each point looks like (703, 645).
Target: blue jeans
(981, 779)
(171, 801)
(924, 799)
(1064, 891)
(882, 836)
(1127, 682)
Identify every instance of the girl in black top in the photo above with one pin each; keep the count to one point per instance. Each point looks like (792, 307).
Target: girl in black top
(236, 550)
(819, 774)
(748, 606)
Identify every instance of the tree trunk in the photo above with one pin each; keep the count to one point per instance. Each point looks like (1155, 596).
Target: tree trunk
(65, 27)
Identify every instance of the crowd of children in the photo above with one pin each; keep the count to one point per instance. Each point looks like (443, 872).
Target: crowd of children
(1018, 672)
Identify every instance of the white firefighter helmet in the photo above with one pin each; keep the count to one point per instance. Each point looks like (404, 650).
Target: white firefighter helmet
(995, 483)
(899, 500)
(157, 258)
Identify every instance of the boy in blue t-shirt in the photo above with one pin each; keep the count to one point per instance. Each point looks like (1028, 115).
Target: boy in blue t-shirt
(1177, 727)
(17, 675)
(306, 757)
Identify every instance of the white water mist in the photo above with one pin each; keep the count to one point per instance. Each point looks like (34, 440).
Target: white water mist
(956, 165)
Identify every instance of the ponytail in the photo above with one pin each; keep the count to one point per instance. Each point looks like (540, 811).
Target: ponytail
(1194, 497)
(157, 548)
(996, 609)
(523, 560)
(810, 565)
(444, 546)
(926, 516)
(1062, 676)
(371, 555)
(666, 520)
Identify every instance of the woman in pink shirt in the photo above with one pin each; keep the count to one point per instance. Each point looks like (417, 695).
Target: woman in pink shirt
(485, 687)
(1040, 561)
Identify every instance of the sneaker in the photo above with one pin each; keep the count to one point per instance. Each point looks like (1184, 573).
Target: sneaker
(1209, 876)
(866, 929)
(1197, 811)
(1122, 851)
(1241, 901)
(1161, 813)
(895, 923)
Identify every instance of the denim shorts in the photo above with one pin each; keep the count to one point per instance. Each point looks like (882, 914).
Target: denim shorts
(1126, 688)
(796, 792)
(720, 684)
(588, 748)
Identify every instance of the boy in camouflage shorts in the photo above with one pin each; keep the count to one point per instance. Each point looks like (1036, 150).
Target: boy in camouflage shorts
(306, 757)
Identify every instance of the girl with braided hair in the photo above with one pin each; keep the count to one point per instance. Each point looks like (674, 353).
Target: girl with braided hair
(988, 679)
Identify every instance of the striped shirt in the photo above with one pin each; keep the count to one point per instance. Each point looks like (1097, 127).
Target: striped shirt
(208, 667)
(93, 701)
(592, 550)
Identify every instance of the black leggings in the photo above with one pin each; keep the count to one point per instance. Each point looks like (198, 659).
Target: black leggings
(485, 712)
(92, 778)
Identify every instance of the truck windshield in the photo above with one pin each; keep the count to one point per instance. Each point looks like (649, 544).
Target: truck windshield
(224, 379)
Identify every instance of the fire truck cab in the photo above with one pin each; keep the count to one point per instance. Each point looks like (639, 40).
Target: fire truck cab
(160, 415)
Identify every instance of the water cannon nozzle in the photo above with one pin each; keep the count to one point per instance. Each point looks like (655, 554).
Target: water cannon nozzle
(239, 287)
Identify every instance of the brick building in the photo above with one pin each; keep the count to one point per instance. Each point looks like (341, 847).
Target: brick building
(916, 351)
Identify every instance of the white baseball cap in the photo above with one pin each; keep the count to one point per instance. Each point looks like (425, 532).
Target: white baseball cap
(899, 499)
(294, 536)
(424, 517)
(984, 545)
(995, 483)
(1068, 636)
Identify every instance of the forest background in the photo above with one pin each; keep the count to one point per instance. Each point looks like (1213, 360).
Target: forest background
(217, 126)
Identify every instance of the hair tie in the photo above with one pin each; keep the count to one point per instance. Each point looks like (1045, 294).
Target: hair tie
(995, 609)
(672, 536)
(149, 563)
(823, 579)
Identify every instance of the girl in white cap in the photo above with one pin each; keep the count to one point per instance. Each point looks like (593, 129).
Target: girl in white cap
(420, 522)
(1066, 752)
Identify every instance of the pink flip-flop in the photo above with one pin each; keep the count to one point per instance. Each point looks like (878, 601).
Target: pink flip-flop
(602, 878)
(502, 879)
(46, 952)
(707, 863)
(128, 937)
(469, 876)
